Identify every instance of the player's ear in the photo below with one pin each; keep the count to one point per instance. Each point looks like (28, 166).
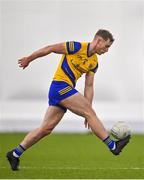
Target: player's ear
(100, 40)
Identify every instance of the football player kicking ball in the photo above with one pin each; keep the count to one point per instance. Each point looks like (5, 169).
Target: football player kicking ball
(77, 58)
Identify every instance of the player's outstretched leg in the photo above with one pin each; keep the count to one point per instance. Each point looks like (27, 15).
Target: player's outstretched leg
(81, 106)
(51, 119)
(120, 145)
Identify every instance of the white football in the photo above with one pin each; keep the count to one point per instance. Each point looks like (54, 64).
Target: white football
(120, 130)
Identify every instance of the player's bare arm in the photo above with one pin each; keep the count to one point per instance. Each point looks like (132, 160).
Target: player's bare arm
(89, 90)
(89, 86)
(56, 48)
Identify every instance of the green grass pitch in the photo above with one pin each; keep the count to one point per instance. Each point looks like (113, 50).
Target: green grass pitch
(73, 156)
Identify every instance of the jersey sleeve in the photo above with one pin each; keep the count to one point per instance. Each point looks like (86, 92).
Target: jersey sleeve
(94, 70)
(72, 47)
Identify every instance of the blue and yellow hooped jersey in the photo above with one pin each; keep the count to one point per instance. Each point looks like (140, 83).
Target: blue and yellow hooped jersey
(75, 62)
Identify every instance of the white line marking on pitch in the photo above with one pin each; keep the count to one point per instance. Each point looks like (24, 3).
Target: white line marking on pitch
(78, 168)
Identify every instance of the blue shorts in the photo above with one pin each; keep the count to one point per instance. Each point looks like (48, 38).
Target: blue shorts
(58, 91)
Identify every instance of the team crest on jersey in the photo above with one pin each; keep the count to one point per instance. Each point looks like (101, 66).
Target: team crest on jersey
(90, 66)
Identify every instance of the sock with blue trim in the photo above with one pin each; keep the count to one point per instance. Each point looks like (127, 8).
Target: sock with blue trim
(18, 151)
(110, 143)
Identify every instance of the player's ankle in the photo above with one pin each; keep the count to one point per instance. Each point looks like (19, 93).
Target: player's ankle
(110, 143)
(18, 151)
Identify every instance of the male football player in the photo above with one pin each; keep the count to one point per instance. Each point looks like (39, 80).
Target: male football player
(77, 58)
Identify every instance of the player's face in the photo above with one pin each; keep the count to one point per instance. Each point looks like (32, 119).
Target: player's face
(103, 46)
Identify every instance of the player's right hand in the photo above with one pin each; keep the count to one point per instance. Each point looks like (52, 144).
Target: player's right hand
(23, 62)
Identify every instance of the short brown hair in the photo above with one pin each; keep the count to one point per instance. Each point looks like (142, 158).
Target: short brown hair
(105, 34)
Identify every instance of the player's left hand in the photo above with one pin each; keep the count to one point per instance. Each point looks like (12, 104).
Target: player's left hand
(86, 124)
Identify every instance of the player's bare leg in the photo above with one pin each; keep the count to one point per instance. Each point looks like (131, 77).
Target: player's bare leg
(81, 106)
(52, 117)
